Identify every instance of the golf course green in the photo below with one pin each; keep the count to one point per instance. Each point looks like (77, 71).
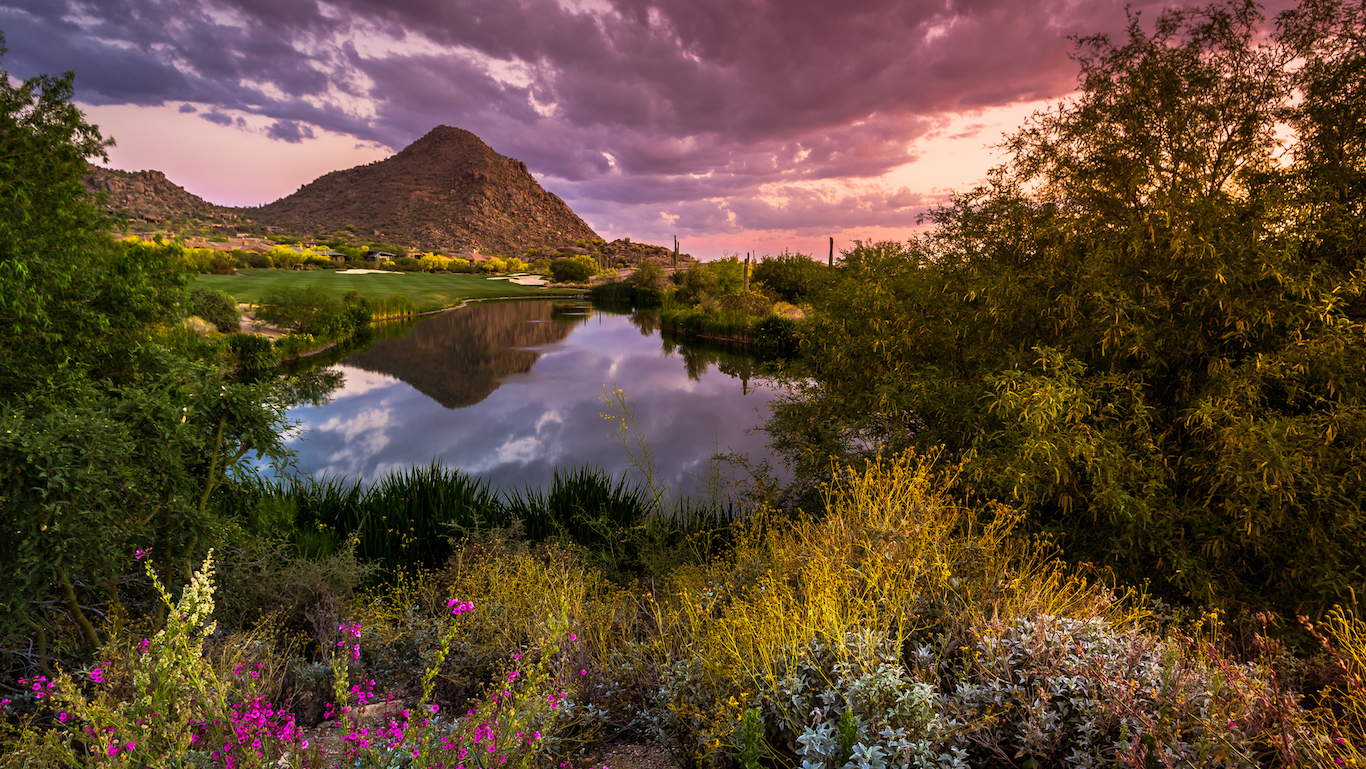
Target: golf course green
(424, 289)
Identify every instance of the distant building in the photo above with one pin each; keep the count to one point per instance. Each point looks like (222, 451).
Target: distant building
(380, 256)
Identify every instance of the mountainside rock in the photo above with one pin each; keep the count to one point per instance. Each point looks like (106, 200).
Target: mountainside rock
(446, 191)
(145, 194)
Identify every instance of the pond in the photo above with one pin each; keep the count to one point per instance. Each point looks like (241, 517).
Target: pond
(511, 390)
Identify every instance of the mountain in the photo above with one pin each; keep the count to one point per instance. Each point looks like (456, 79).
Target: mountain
(445, 191)
(140, 194)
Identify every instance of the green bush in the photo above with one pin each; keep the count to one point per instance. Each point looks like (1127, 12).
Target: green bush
(216, 307)
(649, 275)
(251, 353)
(259, 260)
(577, 269)
(774, 334)
(793, 277)
(746, 302)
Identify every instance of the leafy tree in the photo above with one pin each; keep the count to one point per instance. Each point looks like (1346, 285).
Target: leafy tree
(1141, 328)
(306, 309)
(110, 440)
(71, 302)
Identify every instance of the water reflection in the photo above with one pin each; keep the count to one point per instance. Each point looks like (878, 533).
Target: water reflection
(458, 358)
(511, 390)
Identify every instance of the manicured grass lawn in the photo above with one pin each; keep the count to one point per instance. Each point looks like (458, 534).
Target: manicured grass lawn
(423, 288)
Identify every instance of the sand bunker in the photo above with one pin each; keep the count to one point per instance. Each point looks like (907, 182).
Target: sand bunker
(368, 272)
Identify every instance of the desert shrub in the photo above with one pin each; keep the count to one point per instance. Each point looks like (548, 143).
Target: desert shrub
(217, 308)
(493, 264)
(458, 265)
(574, 269)
(793, 277)
(746, 302)
(259, 260)
(516, 265)
(903, 627)
(285, 258)
(649, 275)
(774, 334)
(252, 353)
(435, 263)
(294, 345)
(408, 263)
(168, 699)
(699, 282)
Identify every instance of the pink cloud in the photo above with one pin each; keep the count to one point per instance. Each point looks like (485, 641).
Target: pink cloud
(706, 107)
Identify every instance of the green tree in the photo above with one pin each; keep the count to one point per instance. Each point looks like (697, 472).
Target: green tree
(306, 309)
(110, 439)
(1141, 328)
(71, 301)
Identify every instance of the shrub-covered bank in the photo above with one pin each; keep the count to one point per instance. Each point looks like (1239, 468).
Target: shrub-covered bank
(898, 628)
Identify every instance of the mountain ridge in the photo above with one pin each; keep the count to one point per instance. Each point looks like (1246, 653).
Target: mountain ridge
(447, 191)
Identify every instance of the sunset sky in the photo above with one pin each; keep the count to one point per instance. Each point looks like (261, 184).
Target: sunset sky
(736, 125)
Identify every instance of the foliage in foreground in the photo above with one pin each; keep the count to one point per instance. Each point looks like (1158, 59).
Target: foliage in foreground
(898, 629)
(1143, 330)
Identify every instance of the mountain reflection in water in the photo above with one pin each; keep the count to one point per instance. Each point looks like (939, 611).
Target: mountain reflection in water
(457, 358)
(509, 391)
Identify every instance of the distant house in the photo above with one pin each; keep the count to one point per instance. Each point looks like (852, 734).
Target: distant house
(335, 256)
(380, 256)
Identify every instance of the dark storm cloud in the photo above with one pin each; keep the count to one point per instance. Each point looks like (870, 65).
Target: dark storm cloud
(290, 131)
(635, 105)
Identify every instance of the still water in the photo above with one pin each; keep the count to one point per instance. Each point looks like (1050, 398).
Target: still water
(510, 390)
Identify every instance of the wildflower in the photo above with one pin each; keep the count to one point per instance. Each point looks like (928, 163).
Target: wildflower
(142, 553)
(61, 718)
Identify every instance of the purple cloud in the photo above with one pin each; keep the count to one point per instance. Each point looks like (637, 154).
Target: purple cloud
(290, 131)
(696, 105)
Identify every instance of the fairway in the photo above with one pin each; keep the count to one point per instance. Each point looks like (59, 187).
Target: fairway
(423, 288)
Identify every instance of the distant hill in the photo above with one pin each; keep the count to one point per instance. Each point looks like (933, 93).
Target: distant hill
(445, 191)
(145, 194)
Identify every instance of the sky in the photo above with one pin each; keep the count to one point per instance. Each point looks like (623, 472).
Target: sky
(735, 125)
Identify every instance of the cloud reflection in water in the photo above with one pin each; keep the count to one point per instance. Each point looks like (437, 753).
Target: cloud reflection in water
(535, 381)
